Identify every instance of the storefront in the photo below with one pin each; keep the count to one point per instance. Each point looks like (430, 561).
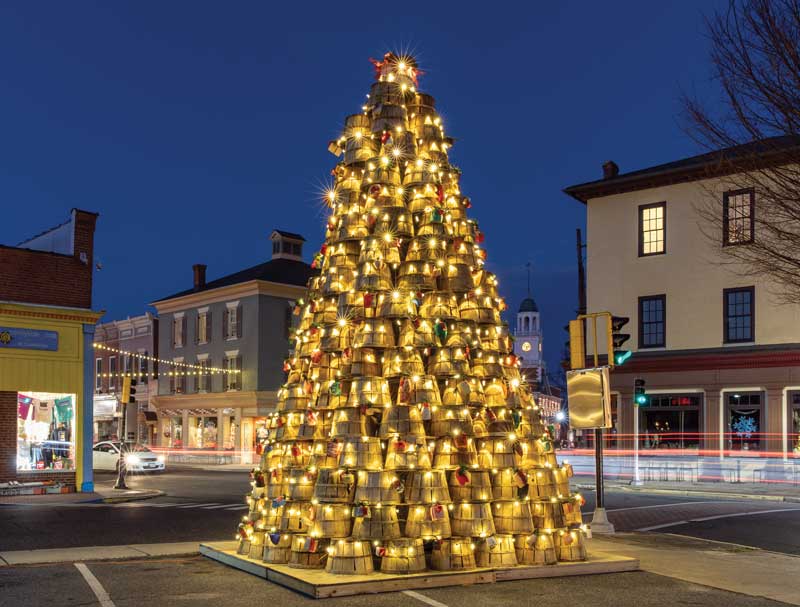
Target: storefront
(46, 380)
(671, 421)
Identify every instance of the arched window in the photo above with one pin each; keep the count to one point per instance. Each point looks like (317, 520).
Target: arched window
(526, 323)
(533, 323)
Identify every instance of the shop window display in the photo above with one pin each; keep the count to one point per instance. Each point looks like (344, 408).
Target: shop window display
(45, 431)
(744, 422)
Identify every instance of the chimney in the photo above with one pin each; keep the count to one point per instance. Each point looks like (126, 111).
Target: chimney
(199, 276)
(610, 169)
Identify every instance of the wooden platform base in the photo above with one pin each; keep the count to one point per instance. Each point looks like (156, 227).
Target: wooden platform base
(318, 584)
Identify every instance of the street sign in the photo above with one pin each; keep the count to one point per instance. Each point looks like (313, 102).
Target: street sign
(589, 397)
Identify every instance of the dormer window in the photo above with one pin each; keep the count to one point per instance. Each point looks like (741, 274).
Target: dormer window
(287, 245)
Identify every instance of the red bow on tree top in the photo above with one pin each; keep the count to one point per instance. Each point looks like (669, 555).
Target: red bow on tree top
(413, 71)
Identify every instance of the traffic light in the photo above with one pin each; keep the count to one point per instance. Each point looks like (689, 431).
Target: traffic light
(128, 390)
(577, 347)
(639, 395)
(617, 339)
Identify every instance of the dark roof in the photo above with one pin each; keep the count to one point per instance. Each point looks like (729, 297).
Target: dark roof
(756, 154)
(290, 235)
(284, 271)
(528, 305)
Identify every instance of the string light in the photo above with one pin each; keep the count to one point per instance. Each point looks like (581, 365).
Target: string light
(201, 368)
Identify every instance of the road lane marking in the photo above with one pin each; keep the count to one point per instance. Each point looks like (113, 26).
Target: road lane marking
(199, 505)
(95, 585)
(661, 506)
(165, 505)
(714, 518)
(222, 506)
(423, 598)
(239, 508)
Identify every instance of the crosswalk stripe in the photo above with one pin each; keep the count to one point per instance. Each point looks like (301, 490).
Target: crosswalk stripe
(222, 506)
(238, 508)
(164, 505)
(199, 505)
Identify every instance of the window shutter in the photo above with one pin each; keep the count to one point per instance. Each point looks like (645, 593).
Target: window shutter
(238, 376)
(209, 327)
(225, 324)
(239, 319)
(197, 328)
(183, 331)
(225, 382)
(172, 384)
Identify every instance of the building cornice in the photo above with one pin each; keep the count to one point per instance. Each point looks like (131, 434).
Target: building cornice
(89, 317)
(215, 400)
(742, 357)
(221, 294)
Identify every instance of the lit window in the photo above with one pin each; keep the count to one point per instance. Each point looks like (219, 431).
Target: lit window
(738, 217)
(652, 231)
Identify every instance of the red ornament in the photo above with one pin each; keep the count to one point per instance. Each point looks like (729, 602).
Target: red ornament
(369, 300)
(316, 356)
(374, 190)
(437, 512)
(385, 136)
(467, 203)
(462, 476)
(440, 192)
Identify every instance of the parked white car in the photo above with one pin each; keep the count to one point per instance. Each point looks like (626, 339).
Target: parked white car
(138, 458)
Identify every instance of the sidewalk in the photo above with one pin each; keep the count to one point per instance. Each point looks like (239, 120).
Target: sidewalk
(774, 492)
(108, 496)
(729, 567)
(97, 553)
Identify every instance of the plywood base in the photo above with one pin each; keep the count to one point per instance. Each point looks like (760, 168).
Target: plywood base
(318, 584)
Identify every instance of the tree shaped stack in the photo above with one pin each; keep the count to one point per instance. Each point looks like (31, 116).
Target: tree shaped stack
(405, 437)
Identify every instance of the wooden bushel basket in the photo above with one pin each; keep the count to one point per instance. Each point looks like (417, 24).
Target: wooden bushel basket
(421, 336)
(403, 555)
(308, 552)
(476, 488)
(570, 545)
(379, 487)
(294, 517)
(499, 423)
(327, 312)
(363, 453)
(383, 171)
(535, 549)
(513, 517)
(420, 522)
(402, 361)
(327, 397)
(381, 524)
(496, 551)
(331, 520)
(453, 554)
(384, 92)
(289, 426)
(276, 484)
(256, 544)
(416, 276)
(395, 221)
(479, 309)
(396, 304)
(421, 173)
(407, 453)
(365, 362)
(300, 485)
(278, 552)
(447, 421)
(337, 281)
(561, 477)
(370, 392)
(428, 250)
(334, 486)
(571, 511)
(294, 397)
(320, 458)
(531, 423)
(486, 363)
(497, 453)
(458, 278)
(448, 361)
(429, 226)
(374, 276)
(271, 517)
(473, 519)
(349, 557)
(427, 487)
(350, 305)
(448, 455)
(403, 420)
(336, 338)
(327, 369)
(351, 227)
(462, 333)
(349, 422)
(423, 390)
(439, 304)
(541, 484)
(547, 514)
(504, 484)
(495, 393)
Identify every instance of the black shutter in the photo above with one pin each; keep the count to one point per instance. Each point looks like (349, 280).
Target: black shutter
(225, 324)
(239, 319)
(209, 328)
(183, 332)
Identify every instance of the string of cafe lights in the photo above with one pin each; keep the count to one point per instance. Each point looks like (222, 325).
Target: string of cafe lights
(197, 369)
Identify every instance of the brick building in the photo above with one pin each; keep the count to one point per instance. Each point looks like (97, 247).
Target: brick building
(46, 358)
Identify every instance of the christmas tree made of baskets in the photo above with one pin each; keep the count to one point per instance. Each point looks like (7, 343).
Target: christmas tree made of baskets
(405, 437)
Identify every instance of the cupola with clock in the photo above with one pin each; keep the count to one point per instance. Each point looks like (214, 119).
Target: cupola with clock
(528, 338)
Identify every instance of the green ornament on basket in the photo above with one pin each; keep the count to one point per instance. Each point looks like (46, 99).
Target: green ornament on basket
(441, 331)
(336, 388)
(516, 416)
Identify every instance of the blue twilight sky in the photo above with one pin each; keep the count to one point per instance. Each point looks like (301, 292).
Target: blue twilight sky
(194, 128)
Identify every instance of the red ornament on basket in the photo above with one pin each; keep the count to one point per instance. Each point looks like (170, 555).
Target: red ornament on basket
(400, 446)
(479, 236)
(466, 202)
(369, 300)
(440, 192)
(462, 476)
(437, 512)
(404, 390)
(426, 411)
(385, 136)
(374, 190)
(316, 356)
(380, 551)
(295, 451)
(520, 478)
(311, 417)
(460, 441)
(333, 449)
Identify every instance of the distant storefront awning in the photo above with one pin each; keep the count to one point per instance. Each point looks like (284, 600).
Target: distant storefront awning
(150, 416)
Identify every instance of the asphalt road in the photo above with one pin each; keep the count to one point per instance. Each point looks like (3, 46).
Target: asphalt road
(207, 504)
(199, 582)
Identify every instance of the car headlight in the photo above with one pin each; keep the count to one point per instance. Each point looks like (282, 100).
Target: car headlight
(131, 459)
(161, 459)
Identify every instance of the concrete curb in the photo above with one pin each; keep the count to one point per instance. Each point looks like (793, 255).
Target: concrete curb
(135, 497)
(698, 493)
(97, 553)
